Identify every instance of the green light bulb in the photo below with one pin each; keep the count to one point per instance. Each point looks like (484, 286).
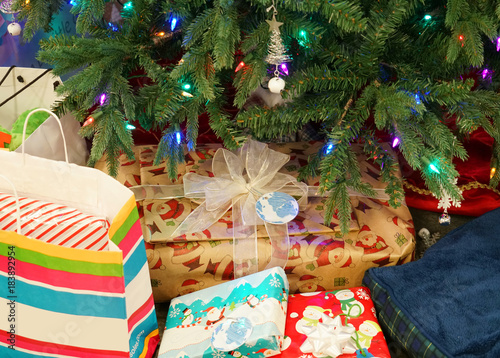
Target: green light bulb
(433, 168)
(427, 17)
(186, 86)
(128, 5)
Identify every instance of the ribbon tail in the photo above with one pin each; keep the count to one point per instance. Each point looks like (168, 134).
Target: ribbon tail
(200, 219)
(245, 255)
(280, 244)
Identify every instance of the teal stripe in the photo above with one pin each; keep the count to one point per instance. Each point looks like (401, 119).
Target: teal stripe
(7, 352)
(135, 262)
(148, 326)
(69, 303)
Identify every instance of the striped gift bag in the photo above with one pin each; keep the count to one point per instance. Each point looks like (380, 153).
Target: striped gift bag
(60, 301)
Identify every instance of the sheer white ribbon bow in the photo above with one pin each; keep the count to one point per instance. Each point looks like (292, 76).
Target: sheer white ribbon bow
(239, 180)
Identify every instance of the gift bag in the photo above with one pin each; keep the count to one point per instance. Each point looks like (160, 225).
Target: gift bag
(63, 301)
(22, 89)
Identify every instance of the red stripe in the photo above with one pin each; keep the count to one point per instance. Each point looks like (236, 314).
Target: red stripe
(103, 246)
(57, 278)
(140, 313)
(72, 235)
(35, 346)
(26, 213)
(39, 226)
(131, 238)
(52, 228)
(86, 237)
(152, 344)
(100, 239)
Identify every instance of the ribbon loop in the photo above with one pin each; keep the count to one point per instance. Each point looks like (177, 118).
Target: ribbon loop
(239, 180)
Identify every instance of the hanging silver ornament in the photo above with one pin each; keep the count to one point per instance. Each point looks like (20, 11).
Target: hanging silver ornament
(6, 7)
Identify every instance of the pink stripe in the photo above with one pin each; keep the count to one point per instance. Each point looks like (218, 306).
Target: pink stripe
(131, 238)
(141, 312)
(76, 281)
(35, 346)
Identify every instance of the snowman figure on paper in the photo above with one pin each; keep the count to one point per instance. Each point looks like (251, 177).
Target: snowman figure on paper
(311, 317)
(348, 304)
(367, 330)
(253, 301)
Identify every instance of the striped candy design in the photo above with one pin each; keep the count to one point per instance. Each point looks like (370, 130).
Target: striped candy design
(77, 303)
(54, 223)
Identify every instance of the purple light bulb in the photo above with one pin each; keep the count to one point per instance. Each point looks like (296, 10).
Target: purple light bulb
(284, 68)
(485, 73)
(102, 99)
(498, 44)
(395, 142)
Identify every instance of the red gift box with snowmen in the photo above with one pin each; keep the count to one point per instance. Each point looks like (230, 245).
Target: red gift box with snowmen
(333, 324)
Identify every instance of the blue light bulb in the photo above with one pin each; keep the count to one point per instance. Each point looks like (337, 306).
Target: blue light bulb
(173, 24)
(329, 148)
(178, 137)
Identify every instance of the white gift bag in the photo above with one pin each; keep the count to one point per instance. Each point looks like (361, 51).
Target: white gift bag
(22, 89)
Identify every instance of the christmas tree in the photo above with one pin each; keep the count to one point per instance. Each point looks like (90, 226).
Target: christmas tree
(422, 72)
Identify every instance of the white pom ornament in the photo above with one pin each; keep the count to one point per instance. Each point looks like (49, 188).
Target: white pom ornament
(276, 84)
(14, 29)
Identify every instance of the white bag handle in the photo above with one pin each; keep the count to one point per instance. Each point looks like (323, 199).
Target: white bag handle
(18, 209)
(60, 127)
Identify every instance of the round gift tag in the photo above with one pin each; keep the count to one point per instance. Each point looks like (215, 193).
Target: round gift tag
(277, 208)
(231, 334)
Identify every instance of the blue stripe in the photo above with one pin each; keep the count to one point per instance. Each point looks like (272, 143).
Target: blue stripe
(134, 264)
(69, 303)
(148, 326)
(7, 352)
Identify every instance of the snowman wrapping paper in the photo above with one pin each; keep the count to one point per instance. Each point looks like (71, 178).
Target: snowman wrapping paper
(240, 318)
(307, 311)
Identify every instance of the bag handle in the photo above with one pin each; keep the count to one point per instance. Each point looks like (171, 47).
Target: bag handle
(60, 127)
(18, 208)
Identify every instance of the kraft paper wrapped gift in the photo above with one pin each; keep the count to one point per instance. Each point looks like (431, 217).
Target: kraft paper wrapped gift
(350, 312)
(320, 258)
(241, 318)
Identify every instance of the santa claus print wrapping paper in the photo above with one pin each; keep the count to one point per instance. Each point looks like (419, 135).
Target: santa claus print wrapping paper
(309, 314)
(320, 258)
(241, 318)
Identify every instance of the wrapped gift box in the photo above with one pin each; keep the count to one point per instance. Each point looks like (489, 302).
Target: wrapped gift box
(241, 318)
(320, 258)
(307, 310)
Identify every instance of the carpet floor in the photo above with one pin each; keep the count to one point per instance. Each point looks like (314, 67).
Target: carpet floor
(421, 219)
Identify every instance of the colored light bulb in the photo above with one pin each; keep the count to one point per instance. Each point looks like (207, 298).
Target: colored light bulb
(88, 121)
(284, 68)
(302, 33)
(186, 86)
(329, 148)
(240, 66)
(173, 24)
(395, 142)
(178, 137)
(73, 2)
(492, 172)
(498, 44)
(417, 98)
(485, 73)
(112, 27)
(102, 99)
(128, 6)
(160, 34)
(433, 168)
(427, 17)
(130, 126)
(186, 94)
